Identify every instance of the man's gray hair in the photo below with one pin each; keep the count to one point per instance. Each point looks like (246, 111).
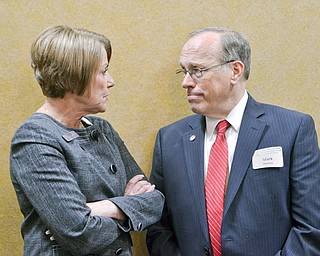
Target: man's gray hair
(235, 46)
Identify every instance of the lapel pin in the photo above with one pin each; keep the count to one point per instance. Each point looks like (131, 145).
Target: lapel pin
(192, 137)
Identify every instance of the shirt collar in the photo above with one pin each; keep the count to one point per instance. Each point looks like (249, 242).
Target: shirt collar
(234, 117)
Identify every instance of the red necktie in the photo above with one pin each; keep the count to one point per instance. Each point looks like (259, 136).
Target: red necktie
(215, 185)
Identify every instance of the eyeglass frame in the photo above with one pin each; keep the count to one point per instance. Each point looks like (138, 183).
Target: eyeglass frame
(192, 72)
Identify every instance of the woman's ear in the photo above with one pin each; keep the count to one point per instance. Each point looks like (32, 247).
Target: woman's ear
(237, 71)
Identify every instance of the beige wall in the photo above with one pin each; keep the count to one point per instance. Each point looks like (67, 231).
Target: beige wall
(147, 36)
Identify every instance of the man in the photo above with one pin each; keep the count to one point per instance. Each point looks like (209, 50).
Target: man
(269, 162)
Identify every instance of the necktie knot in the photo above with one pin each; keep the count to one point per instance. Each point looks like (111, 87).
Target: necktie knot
(222, 126)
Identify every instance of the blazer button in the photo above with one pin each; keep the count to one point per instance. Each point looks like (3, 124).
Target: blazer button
(113, 169)
(139, 227)
(94, 134)
(119, 251)
(206, 251)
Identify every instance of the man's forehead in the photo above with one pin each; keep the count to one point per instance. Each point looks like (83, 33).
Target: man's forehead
(205, 40)
(200, 49)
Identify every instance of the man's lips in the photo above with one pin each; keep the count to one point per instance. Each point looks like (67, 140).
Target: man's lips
(193, 96)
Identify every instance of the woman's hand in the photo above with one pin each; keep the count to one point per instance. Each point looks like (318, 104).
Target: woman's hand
(137, 186)
(106, 208)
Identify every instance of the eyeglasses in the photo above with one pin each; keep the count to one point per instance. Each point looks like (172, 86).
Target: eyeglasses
(197, 72)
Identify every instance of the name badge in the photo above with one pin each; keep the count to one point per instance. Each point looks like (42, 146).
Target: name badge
(267, 157)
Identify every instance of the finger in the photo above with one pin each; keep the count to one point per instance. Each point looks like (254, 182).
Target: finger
(143, 188)
(151, 189)
(140, 184)
(135, 179)
(137, 187)
(146, 189)
(132, 183)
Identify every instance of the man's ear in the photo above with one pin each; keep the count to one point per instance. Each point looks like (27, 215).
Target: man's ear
(237, 71)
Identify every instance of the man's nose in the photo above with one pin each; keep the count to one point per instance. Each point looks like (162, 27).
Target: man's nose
(187, 81)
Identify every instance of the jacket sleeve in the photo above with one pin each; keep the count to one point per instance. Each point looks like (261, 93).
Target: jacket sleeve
(161, 240)
(304, 236)
(144, 209)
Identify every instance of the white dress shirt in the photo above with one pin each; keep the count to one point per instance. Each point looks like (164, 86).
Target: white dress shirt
(234, 118)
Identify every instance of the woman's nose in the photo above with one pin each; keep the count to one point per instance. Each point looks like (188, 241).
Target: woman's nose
(110, 81)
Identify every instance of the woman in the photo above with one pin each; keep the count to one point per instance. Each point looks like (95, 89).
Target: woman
(74, 177)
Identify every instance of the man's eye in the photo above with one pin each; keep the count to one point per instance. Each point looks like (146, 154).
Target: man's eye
(196, 71)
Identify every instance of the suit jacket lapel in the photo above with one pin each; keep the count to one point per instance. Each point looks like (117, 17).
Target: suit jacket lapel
(193, 143)
(250, 134)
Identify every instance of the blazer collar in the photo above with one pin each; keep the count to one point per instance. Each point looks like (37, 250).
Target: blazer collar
(251, 131)
(193, 145)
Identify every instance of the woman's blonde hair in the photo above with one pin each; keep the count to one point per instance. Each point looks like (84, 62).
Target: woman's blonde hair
(64, 59)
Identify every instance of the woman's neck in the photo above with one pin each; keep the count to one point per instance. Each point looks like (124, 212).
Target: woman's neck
(63, 111)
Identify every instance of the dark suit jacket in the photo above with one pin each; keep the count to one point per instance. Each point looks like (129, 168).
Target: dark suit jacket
(267, 211)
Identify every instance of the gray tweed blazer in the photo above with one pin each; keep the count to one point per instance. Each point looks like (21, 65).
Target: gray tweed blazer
(56, 170)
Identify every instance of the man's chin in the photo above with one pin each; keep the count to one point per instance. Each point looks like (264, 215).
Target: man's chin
(195, 108)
